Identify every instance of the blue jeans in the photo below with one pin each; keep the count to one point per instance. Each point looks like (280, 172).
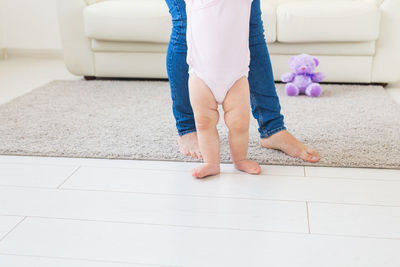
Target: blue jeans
(264, 100)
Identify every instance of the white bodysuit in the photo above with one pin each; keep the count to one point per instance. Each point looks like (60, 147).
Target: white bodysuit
(218, 42)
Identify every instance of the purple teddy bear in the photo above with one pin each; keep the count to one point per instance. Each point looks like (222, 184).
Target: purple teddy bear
(302, 79)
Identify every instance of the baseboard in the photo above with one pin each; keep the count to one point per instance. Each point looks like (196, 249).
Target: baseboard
(394, 85)
(3, 53)
(35, 53)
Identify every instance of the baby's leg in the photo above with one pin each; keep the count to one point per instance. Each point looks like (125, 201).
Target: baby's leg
(205, 110)
(237, 118)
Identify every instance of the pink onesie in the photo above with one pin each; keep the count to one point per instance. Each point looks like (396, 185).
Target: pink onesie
(218, 42)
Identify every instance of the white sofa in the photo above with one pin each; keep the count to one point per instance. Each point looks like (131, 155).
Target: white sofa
(356, 41)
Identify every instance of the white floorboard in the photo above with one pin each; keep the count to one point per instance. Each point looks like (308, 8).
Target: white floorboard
(263, 215)
(39, 175)
(37, 261)
(144, 164)
(185, 246)
(341, 219)
(7, 223)
(293, 188)
(353, 173)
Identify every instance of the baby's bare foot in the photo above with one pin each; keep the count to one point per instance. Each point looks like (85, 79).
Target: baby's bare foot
(206, 169)
(248, 166)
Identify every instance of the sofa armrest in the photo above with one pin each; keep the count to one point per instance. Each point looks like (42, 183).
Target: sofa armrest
(386, 64)
(78, 56)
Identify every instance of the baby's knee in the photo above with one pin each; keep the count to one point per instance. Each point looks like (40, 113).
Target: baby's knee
(238, 122)
(204, 122)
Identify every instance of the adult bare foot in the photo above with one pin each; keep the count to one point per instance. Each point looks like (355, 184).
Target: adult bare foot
(189, 146)
(288, 144)
(206, 169)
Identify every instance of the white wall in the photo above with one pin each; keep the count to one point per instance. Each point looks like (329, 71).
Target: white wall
(29, 24)
(1, 24)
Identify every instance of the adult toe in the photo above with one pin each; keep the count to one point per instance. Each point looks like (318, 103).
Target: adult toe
(193, 154)
(197, 155)
(312, 155)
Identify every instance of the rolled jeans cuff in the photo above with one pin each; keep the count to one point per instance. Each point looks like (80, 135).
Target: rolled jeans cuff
(186, 132)
(265, 134)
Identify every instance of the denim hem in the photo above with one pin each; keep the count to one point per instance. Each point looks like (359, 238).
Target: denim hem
(186, 132)
(265, 134)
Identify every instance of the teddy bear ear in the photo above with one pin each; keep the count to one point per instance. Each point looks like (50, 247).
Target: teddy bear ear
(291, 60)
(316, 61)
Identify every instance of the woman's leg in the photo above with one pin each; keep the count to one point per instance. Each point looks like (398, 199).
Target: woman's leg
(177, 69)
(264, 100)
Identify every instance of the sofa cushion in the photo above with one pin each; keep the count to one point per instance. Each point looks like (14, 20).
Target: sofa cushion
(119, 20)
(146, 21)
(323, 21)
(268, 14)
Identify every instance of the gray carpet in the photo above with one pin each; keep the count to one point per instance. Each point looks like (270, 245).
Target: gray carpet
(350, 125)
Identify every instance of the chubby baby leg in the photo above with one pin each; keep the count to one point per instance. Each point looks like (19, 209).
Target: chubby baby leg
(205, 110)
(237, 118)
